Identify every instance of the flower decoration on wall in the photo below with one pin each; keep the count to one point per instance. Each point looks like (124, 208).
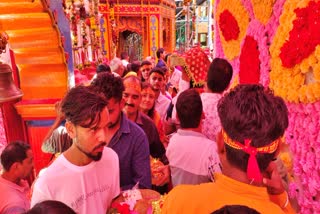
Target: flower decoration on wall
(283, 39)
(229, 26)
(295, 53)
(303, 137)
(240, 17)
(304, 37)
(260, 34)
(263, 10)
(249, 61)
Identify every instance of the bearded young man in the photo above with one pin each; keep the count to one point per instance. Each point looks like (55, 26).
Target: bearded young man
(125, 137)
(85, 176)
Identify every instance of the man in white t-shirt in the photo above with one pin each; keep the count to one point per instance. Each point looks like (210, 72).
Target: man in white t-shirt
(157, 81)
(193, 158)
(86, 176)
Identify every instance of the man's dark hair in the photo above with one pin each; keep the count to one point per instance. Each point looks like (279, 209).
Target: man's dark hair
(108, 84)
(250, 111)
(124, 55)
(235, 209)
(134, 66)
(103, 68)
(219, 75)
(145, 62)
(157, 70)
(189, 109)
(14, 152)
(159, 51)
(50, 207)
(165, 69)
(82, 106)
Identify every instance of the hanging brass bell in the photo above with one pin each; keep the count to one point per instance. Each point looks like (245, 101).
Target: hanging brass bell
(8, 90)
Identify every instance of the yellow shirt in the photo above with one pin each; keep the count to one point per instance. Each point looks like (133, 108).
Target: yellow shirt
(208, 197)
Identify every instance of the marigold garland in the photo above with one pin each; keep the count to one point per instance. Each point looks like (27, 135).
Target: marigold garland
(291, 83)
(232, 48)
(304, 37)
(263, 9)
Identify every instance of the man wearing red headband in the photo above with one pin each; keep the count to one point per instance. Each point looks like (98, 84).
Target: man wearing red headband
(253, 122)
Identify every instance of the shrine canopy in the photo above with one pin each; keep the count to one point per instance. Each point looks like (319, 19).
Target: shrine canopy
(151, 21)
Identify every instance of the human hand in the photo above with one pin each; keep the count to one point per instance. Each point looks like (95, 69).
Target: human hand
(274, 182)
(163, 175)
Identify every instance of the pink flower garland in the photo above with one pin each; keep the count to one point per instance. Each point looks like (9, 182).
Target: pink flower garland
(248, 5)
(273, 23)
(218, 46)
(303, 137)
(217, 42)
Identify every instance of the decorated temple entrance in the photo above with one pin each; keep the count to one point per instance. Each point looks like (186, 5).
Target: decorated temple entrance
(138, 27)
(131, 42)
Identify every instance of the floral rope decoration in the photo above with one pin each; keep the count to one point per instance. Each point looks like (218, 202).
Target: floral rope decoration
(231, 48)
(300, 81)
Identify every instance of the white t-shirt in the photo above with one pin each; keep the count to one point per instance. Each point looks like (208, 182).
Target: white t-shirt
(86, 189)
(192, 158)
(211, 125)
(161, 105)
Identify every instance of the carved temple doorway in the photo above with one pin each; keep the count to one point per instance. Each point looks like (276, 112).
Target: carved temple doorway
(131, 42)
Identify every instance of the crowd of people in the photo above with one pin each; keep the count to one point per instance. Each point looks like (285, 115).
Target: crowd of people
(217, 147)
